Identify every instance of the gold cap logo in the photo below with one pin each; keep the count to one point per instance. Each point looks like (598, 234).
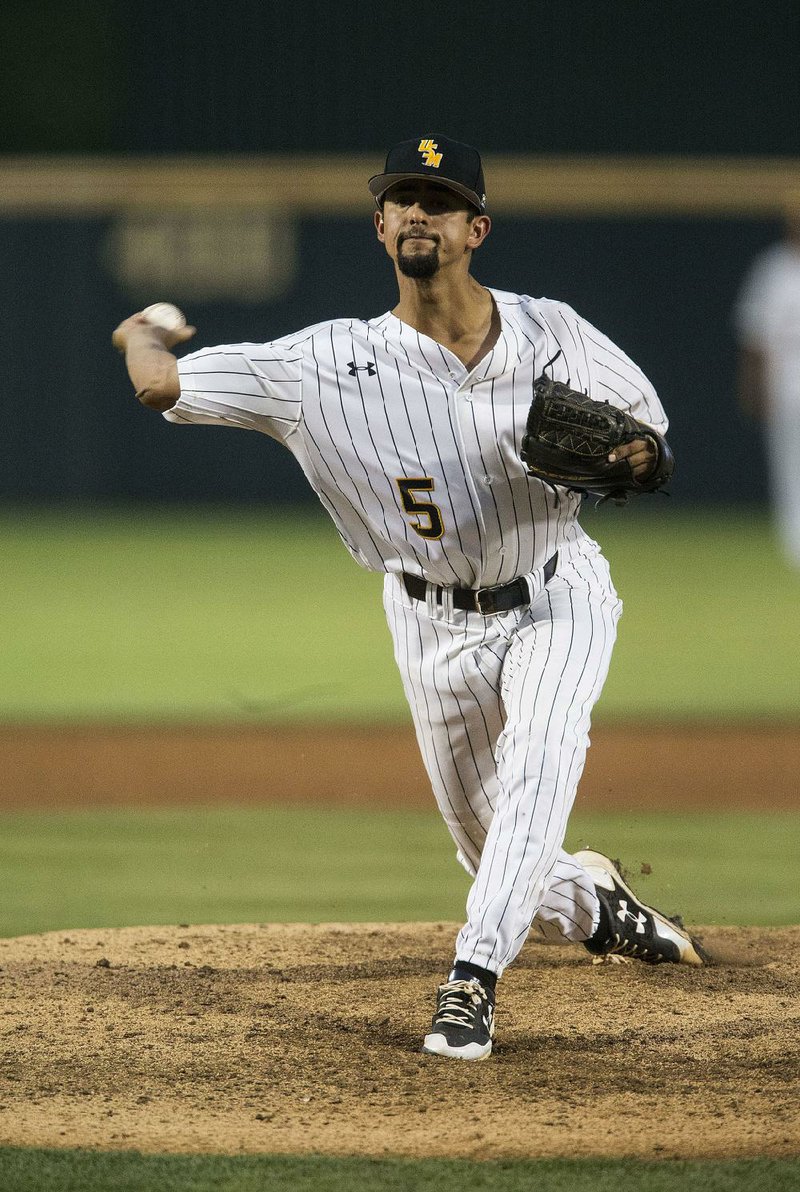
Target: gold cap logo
(429, 155)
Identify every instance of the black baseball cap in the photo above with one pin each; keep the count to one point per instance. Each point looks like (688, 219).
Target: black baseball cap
(450, 163)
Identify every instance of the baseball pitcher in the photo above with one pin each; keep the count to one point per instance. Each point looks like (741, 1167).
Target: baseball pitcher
(452, 440)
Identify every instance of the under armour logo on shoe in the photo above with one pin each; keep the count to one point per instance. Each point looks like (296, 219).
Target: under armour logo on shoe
(623, 913)
(369, 368)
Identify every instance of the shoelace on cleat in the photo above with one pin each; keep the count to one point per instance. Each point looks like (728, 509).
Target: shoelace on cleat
(459, 1003)
(623, 947)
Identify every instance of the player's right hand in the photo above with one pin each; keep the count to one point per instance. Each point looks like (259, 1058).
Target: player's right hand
(137, 325)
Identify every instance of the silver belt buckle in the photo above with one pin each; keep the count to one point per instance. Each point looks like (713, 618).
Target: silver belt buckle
(486, 601)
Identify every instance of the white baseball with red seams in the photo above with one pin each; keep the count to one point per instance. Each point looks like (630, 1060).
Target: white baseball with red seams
(165, 315)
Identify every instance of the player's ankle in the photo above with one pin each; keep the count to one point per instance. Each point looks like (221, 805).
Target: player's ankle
(464, 970)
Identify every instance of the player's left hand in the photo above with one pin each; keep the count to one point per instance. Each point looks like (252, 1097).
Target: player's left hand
(641, 454)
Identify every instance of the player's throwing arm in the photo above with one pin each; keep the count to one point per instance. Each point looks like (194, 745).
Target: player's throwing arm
(145, 339)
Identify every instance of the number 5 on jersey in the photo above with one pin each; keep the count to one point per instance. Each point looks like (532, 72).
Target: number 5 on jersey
(427, 516)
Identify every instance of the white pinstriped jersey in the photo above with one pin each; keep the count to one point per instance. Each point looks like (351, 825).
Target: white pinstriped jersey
(415, 457)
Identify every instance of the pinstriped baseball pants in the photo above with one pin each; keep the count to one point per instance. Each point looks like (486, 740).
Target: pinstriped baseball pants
(501, 707)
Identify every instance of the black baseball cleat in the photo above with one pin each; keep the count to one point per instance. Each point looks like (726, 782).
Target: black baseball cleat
(628, 927)
(463, 1025)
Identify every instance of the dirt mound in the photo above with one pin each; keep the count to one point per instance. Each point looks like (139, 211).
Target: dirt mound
(294, 1038)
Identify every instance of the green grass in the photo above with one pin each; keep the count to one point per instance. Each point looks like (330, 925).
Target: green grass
(24, 1170)
(115, 868)
(724, 867)
(711, 625)
(160, 614)
(224, 865)
(260, 616)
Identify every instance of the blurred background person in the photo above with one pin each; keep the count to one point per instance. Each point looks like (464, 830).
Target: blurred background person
(767, 317)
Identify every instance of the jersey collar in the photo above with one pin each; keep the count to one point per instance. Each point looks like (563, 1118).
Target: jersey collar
(429, 355)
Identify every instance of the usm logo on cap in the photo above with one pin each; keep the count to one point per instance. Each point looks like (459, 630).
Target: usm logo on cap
(429, 155)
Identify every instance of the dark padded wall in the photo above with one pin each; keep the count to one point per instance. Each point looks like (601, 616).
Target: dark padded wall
(663, 290)
(626, 76)
(629, 76)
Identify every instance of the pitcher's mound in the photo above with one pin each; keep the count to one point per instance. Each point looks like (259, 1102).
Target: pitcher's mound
(295, 1038)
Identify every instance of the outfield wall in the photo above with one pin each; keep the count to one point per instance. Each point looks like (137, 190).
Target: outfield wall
(637, 156)
(650, 250)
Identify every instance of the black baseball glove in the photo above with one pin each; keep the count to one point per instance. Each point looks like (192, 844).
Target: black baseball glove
(569, 437)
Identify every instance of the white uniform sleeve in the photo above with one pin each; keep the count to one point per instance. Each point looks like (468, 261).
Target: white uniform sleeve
(751, 314)
(253, 386)
(613, 376)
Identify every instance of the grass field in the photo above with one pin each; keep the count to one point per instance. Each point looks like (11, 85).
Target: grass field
(127, 867)
(156, 615)
(84, 1171)
(242, 615)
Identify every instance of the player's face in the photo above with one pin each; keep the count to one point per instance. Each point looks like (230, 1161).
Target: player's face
(425, 226)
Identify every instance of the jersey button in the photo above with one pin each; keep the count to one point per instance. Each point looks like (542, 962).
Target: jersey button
(487, 480)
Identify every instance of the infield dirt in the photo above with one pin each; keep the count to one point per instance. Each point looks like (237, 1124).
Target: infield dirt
(293, 1038)
(677, 767)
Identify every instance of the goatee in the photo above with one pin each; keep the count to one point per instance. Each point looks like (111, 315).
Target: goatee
(419, 264)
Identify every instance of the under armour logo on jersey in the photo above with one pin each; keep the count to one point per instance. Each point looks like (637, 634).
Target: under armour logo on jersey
(368, 368)
(623, 913)
(429, 155)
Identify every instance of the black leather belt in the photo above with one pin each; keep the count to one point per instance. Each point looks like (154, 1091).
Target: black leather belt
(482, 600)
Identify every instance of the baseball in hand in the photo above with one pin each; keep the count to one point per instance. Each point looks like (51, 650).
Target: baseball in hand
(165, 315)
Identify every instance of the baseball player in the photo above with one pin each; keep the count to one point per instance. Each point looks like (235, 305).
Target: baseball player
(768, 324)
(408, 427)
